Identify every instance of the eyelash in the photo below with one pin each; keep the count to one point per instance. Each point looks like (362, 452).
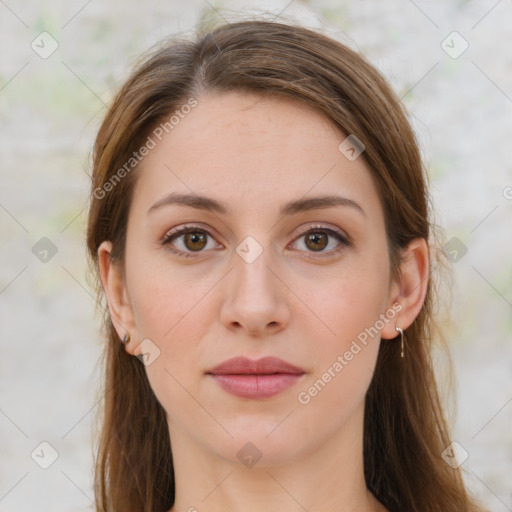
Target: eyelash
(183, 230)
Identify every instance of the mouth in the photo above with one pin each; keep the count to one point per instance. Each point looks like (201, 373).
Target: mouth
(256, 379)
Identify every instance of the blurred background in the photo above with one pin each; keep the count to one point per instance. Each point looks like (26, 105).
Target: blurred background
(60, 64)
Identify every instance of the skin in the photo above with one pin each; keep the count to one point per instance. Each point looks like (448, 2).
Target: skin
(304, 306)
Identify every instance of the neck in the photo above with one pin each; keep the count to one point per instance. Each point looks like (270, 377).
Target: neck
(329, 478)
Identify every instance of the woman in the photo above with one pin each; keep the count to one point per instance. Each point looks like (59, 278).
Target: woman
(260, 224)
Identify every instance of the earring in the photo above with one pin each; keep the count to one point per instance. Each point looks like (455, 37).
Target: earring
(401, 340)
(126, 339)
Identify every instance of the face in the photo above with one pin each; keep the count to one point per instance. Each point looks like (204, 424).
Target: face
(262, 270)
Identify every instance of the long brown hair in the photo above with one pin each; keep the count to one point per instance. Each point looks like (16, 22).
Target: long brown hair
(405, 431)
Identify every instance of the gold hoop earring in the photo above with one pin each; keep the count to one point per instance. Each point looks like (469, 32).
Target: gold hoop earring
(401, 340)
(126, 339)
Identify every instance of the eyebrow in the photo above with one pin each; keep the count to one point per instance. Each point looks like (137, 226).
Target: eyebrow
(290, 208)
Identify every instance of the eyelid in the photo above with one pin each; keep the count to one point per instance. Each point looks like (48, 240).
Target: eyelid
(303, 230)
(183, 230)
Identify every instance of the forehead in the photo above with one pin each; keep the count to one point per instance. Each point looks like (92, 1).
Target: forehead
(249, 150)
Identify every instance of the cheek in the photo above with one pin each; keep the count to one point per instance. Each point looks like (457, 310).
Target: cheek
(347, 331)
(166, 302)
(175, 315)
(344, 362)
(348, 303)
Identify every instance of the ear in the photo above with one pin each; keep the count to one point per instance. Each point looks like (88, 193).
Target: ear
(119, 306)
(411, 288)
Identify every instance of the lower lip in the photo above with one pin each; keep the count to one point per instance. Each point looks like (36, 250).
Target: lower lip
(257, 386)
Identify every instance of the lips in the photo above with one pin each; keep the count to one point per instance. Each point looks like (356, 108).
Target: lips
(263, 366)
(256, 379)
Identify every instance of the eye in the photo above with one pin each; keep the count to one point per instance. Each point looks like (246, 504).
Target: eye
(322, 240)
(188, 239)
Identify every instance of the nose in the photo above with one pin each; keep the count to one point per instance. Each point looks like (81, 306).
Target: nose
(256, 298)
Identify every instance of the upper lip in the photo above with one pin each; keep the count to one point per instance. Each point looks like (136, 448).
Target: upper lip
(264, 366)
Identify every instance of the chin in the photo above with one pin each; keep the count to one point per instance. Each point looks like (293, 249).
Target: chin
(262, 443)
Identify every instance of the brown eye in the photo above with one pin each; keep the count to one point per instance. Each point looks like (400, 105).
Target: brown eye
(317, 241)
(194, 241)
(321, 240)
(187, 240)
